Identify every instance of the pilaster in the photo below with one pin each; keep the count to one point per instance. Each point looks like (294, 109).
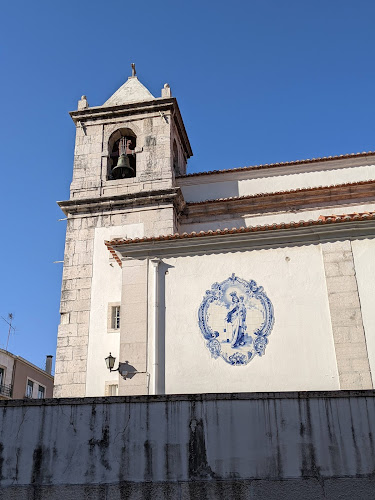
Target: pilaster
(346, 316)
(134, 327)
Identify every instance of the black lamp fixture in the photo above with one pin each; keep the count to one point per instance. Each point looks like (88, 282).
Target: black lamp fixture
(110, 362)
(123, 368)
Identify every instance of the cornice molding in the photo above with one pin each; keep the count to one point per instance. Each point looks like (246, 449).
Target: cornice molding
(110, 203)
(278, 235)
(131, 109)
(282, 200)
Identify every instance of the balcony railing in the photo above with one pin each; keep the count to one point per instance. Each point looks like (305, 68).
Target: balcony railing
(6, 390)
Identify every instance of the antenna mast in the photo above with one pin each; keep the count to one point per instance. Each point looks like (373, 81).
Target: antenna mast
(10, 317)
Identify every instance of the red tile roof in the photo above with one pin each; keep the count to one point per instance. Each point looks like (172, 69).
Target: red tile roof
(323, 219)
(281, 164)
(278, 193)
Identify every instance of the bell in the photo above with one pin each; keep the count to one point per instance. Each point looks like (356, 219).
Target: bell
(123, 170)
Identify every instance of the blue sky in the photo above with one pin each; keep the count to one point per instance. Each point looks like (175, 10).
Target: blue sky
(257, 81)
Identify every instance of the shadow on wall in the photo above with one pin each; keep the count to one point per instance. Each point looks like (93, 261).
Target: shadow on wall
(163, 269)
(127, 370)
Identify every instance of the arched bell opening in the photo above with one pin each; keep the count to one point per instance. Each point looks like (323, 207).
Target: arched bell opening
(122, 157)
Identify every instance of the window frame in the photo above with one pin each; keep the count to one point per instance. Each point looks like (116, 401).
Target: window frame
(27, 387)
(44, 390)
(111, 317)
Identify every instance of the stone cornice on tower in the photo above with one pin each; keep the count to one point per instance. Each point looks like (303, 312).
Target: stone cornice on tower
(94, 115)
(122, 202)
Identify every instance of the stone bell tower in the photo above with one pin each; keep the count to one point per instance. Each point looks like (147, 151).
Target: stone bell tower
(127, 154)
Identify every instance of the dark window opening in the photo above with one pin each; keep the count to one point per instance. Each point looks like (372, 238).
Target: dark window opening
(29, 388)
(41, 392)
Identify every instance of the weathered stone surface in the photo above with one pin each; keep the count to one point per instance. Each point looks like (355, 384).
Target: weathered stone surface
(346, 316)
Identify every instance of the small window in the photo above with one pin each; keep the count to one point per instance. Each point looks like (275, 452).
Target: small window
(115, 317)
(29, 389)
(41, 392)
(2, 376)
(113, 389)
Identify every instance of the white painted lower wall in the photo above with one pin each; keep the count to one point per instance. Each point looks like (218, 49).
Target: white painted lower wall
(106, 288)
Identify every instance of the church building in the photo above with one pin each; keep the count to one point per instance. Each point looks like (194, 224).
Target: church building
(251, 279)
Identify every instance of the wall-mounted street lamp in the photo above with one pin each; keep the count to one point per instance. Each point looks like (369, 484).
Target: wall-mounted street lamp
(110, 362)
(122, 367)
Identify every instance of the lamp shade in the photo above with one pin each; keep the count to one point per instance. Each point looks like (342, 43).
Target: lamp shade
(110, 361)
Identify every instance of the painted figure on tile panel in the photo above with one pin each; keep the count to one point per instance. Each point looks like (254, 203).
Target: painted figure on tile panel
(236, 318)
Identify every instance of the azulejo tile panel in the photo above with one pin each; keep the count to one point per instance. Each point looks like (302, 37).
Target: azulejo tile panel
(235, 319)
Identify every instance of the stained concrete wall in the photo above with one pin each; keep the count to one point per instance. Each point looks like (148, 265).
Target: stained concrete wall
(256, 446)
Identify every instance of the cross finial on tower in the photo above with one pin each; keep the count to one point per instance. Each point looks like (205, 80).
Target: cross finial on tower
(133, 69)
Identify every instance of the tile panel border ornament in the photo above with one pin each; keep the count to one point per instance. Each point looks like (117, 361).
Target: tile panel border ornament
(235, 319)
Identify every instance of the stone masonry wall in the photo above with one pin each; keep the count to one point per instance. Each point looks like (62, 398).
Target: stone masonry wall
(73, 333)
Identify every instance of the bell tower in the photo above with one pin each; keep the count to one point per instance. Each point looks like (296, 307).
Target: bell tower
(127, 155)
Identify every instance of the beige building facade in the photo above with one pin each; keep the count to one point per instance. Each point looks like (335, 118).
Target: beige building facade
(20, 379)
(243, 280)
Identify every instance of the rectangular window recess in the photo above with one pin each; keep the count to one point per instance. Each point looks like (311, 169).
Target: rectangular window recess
(115, 317)
(113, 390)
(29, 389)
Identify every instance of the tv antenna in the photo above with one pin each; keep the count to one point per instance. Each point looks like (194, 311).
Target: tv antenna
(10, 318)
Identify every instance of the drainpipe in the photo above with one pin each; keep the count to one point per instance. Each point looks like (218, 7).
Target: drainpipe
(155, 328)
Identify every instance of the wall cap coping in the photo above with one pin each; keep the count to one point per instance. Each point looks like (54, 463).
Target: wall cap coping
(166, 398)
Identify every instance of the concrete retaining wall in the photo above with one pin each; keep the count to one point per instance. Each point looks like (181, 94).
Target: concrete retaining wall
(269, 445)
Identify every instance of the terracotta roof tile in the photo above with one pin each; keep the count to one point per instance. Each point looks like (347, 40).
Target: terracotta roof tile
(323, 219)
(278, 193)
(281, 164)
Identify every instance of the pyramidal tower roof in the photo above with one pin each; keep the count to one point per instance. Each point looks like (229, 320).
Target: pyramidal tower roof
(131, 91)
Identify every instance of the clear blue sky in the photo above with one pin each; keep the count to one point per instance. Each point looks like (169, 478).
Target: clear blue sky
(258, 81)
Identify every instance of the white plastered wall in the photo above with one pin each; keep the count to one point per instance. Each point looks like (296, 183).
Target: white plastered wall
(106, 288)
(272, 180)
(364, 261)
(300, 354)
